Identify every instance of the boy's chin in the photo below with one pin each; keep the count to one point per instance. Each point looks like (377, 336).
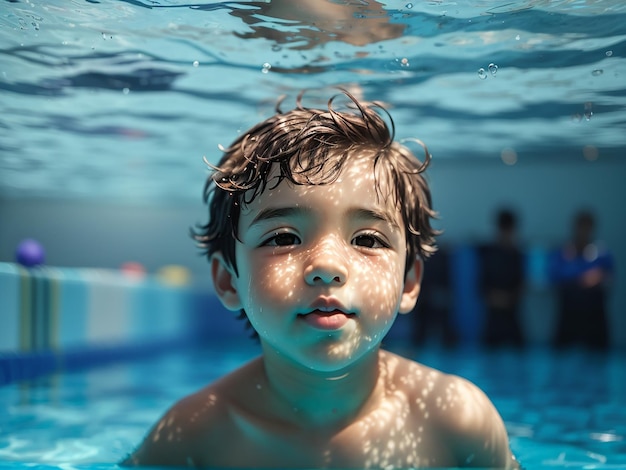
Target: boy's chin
(331, 357)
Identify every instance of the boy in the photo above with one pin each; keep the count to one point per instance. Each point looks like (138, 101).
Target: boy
(318, 223)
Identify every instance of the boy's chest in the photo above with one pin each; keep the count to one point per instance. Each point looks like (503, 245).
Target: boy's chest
(364, 444)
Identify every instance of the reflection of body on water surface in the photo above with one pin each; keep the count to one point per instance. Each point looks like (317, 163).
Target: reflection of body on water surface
(307, 24)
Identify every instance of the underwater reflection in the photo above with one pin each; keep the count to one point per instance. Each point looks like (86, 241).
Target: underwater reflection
(307, 24)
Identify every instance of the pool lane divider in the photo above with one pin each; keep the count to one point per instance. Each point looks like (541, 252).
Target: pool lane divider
(61, 319)
(39, 355)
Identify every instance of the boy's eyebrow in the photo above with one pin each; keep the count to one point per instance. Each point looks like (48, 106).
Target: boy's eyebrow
(279, 212)
(360, 213)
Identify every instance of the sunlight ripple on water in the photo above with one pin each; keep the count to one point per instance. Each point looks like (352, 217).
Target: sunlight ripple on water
(141, 81)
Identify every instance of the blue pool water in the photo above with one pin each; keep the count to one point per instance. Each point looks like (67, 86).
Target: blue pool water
(562, 410)
(128, 95)
(119, 100)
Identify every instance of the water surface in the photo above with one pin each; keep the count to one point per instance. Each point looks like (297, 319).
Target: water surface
(127, 96)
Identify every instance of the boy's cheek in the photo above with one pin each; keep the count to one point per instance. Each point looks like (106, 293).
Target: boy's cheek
(380, 285)
(383, 270)
(274, 282)
(275, 272)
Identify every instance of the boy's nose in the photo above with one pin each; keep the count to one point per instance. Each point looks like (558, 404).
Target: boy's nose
(327, 264)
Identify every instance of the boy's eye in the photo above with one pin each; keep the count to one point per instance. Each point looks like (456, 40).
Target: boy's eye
(369, 241)
(282, 239)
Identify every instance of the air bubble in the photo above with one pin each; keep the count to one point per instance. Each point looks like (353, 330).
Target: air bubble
(482, 74)
(266, 67)
(608, 53)
(126, 91)
(409, 5)
(517, 38)
(493, 68)
(196, 63)
(404, 62)
(597, 72)
(276, 48)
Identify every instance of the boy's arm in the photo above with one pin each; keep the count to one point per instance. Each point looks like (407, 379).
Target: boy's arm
(476, 429)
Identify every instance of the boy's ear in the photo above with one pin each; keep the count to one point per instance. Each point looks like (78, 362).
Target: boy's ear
(224, 282)
(412, 285)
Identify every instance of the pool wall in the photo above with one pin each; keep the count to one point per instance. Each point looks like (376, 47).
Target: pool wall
(68, 317)
(55, 318)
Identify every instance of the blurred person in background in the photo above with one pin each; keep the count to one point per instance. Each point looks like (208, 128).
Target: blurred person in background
(581, 271)
(501, 283)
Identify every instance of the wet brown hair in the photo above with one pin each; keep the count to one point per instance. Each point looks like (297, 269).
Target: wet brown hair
(308, 146)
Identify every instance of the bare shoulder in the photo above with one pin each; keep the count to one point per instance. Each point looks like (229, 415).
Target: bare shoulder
(175, 439)
(194, 427)
(458, 413)
(470, 420)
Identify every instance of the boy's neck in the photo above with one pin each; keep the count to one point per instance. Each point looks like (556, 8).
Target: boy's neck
(321, 400)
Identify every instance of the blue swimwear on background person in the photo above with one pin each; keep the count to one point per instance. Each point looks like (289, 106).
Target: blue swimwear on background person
(582, 271)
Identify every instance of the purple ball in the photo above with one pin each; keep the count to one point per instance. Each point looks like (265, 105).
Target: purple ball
(30, 253)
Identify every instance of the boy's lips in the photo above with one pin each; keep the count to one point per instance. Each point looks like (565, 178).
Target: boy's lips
(327, 314)
(326, 320)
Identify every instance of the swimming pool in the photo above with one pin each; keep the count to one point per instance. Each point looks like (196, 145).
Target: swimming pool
(108, 106)
(562, 410)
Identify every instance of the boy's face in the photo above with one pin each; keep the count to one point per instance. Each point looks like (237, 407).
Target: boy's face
(321, 268)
